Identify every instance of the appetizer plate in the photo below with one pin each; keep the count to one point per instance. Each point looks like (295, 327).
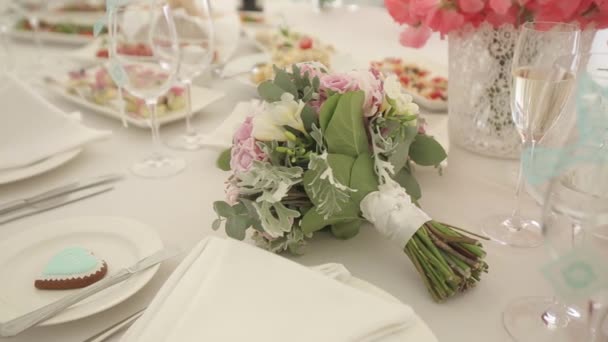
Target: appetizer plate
(53, 37)
(120, 242)
(201, 98)
(48, 164)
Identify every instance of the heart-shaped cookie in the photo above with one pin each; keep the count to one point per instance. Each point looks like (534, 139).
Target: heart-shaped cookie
(72, 268)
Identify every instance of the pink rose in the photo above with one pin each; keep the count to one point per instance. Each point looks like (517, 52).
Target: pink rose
(314, 69)
(415, 37)
(370, 83)
(340, 83)
(232, 193)
(245, 149)
(471, 6)
(502, 6)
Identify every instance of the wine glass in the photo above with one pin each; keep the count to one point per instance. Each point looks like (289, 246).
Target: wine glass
(146, 77)
(538, 97)
(575, 169)
(195, 34)
(227, 28)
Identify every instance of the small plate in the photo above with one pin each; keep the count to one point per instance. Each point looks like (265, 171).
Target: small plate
(120, 242)
(48, 164)
(201, 98)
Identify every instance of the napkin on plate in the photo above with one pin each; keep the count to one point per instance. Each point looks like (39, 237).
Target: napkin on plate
(32, 129)
(227, 290)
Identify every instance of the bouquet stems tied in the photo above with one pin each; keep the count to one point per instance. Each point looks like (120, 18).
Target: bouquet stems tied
(448, 260)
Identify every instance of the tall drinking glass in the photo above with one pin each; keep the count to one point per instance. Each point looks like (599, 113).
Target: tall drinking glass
(227, 28)
(538, 97)
(146, 77)
(575, 201)
(196, 41)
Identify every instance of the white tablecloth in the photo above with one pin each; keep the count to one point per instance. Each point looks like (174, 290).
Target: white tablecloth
(180, 208)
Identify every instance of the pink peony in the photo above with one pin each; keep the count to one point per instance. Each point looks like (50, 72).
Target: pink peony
(400, 11)
(339, 83)
(444, 21)
(245, 149)
(422, 7)
(415, 37)
(471, 6)
(498, 20)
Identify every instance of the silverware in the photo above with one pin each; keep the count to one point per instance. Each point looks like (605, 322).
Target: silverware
(62, 190)
(54, 202)
(115, 328)
(19, 324)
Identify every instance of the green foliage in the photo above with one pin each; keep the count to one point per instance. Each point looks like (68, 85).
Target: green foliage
(309, 118)
(270, 92)
(363, 178)
(327, 110)
(407, 180)
(237, 219)
(345, 133)
(313, 221)
(426, 151)
(302, 88)
(404, 140)
(346, 230)
(271, 181)
(223, 161)
(276, 219)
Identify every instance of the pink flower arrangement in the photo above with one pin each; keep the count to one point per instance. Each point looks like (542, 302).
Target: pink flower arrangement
(245, 149)
(444, 16)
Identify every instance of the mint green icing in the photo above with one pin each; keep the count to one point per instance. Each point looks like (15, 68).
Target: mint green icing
(71, 261)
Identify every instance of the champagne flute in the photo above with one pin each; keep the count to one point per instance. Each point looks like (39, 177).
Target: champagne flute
(195, 34)
(538, 96)
(227, 28)
(575, 167)
(146, 77)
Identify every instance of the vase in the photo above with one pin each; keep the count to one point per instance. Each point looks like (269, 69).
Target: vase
(479, 89)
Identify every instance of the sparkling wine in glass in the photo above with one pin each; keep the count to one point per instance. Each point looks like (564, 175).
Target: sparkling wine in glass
(146, 77)
(539, 93)
(195, 33)
(570, 169)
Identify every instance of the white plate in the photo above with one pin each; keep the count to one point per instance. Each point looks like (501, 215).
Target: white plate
(201, 98)
(88, 52)
(54, 37)
(13, 175)
(120, 242)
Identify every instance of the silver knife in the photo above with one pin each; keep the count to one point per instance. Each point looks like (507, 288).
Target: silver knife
(54, 202)
(62, 190)
(19, 324)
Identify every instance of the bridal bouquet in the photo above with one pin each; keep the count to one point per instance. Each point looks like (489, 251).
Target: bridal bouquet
(426, 16)
(332, 151)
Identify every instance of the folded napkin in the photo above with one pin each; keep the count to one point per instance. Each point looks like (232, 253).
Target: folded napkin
(32, 129)
(227, 290)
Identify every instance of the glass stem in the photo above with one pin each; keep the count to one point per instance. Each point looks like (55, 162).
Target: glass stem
(189, 129)
(516, 215)
(152, 106)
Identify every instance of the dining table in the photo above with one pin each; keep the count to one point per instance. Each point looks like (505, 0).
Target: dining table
(180, 208)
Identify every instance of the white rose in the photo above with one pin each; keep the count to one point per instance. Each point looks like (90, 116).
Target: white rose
(268, 125)
(400, 99)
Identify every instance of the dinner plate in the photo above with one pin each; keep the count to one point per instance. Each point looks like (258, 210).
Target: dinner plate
(53, 37)
(45, 165)
(201, 98)
(120, 242)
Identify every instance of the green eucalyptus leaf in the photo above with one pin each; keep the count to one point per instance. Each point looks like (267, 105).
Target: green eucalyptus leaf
(236, 227)
(223, 209)
(363, 178)
(407, 181)
(216, 224)
(399, 157)
(426, 151)
(283, 81)
(327, 111)
(309, 117)
(223, 161)
(345, 133)
(270, 92)
(346, 230)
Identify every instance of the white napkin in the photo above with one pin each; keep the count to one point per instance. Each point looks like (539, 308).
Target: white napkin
(32, 129)
(223, 134)
(227, 290)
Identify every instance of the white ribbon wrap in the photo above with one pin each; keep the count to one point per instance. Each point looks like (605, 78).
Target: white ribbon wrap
(391, 211)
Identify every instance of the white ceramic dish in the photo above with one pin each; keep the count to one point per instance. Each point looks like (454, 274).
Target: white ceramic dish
(48, 164)
(201, 97)
(120, 242)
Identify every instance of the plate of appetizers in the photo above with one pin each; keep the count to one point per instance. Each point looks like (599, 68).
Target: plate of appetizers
(427, 83)
(98, 50)
(47, 262)
(65, 31)
(94, 89)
